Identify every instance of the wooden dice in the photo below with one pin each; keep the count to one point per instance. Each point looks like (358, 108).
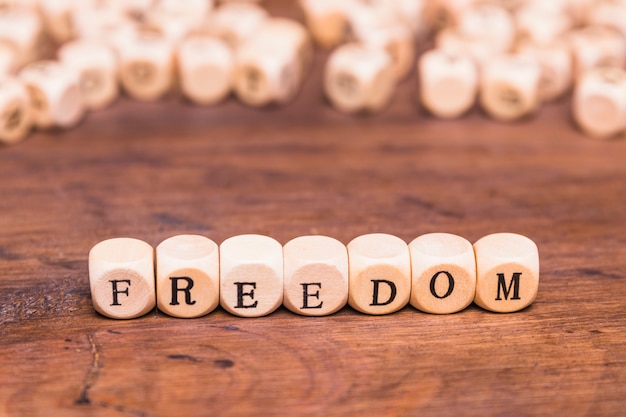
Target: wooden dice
(205, 67)
(146, 65)
(251, 275)
(443, 270)
(121, 278)
(187, 276)
(316, 275)
(15, 117)
(359, 78)
(448, 83)
(54, 94)
(509, 87)
(96, 66)
(380, 273)
(599, 104)
(507, 272)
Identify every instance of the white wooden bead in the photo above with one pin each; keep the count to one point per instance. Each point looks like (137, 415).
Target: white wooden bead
(326, 20)
(97, 23)
(509, 87)
(451, 41)
(608, 13)
(97, 68)
(316, 275)
(146, 66)
(205, 68)
(251, 275)
(359, 78)
(507, 272)
(599, 103)
(15, 113)
(597, 46)
(265, 74)
(21, 30)
(555, 64)
(448, 83)
(54, 94)
(187, 276)
(443, 271)
(288, 34)
(398, 41)
(236, 22)
(121, 278)
(541, 25)
(489, 24)
(380, 273)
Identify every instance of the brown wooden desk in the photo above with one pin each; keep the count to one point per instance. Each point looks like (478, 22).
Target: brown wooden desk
(151, 171)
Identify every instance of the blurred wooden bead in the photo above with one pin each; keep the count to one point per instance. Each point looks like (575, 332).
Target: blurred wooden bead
(380, 273)
(236, 22)
(187, 276)
(97, 23)
(443, 270)
(448, 83)
(146, 66)
(439, 14)
(21, 30)
(251, 275)
(316, 275)
(488, 24)
(96, 66)
(509, 87)
(121, 278)
(450, 41)
(15, 119)
(599, 103)
(326, 20)
(597, 46)
(398, 41)
(54, 94)
(608, 13)
(288, 34)
(205, 68)
(8, 59)
(541, 25)
(555, 64)
(265, 74)
(57, 17)
(358, 78)
(507, 272)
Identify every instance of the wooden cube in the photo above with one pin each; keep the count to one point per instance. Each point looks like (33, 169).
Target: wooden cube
(54, 94)
(288, 34)
(555, 66)
(596, 46)
(599, 104)
(359, 78)
(265, 74)
(187, 276)
(488, 23)
(205, 68)
(448, 83)
(380, 273)
(316, 275)
(236, 22)
(15, 118)
(509, 87)
(146, 66)
(443, 271)
(96, 66)
(21, 30)
(507, 272)
(57, 17)
(121, 278)
(251, 275)
(326, 20)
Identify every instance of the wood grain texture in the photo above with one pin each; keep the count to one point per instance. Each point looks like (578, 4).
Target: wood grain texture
(155, 170)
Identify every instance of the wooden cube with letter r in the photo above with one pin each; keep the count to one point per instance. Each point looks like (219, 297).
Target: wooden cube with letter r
(507, 272)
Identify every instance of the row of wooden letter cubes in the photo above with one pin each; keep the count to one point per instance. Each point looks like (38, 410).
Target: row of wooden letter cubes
(252, 275)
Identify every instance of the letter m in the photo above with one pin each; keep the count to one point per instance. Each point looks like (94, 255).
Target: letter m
(507, 290)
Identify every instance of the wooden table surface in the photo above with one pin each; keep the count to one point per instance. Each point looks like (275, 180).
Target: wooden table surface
(155, 170)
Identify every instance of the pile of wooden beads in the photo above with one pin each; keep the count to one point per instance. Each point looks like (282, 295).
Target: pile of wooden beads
(509, 55)
(252, 275)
